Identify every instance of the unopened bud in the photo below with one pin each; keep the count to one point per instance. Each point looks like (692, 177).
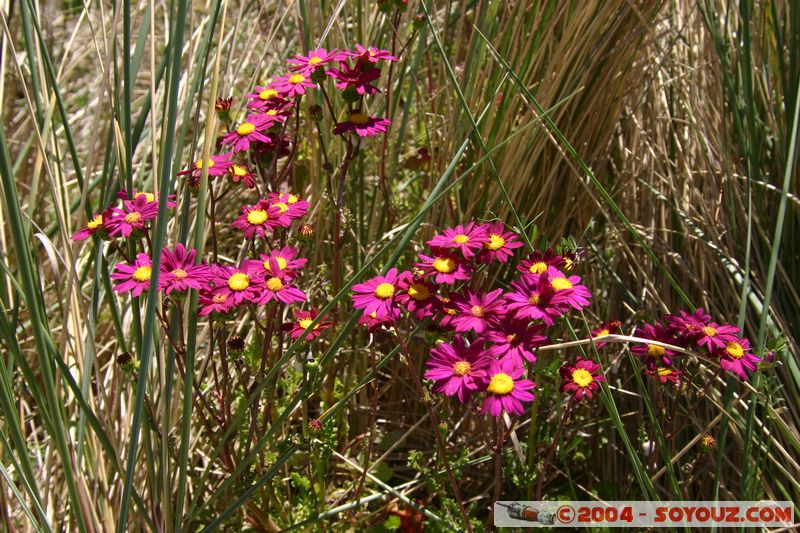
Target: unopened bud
(350, 94)
(315, 112)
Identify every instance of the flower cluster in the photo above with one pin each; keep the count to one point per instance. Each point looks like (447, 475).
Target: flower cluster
(496, 331)
(130, 219)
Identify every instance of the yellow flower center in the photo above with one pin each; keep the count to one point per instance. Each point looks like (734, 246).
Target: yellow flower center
(199, 164)
(95, 223)
(280, 260)
(709, 331)
(219, 298)
(239, 281)
(735, 350)
(179, 273)
(297, 78)
(477, 311)
(495, 242)
(501, 384)
(282, 207)
(534, 299)
(272, 113)
(384, 291)
(267, 94)
(460, 239)
(663, 371)
(239, 171)
(444, 265)
(314, 60)
(511, 338)
(307, 322)
(418, 291)
(246, 128)
(256, 217)
(538, 268)
(655, 351)
(560, 284)
(569, 264)
(461, 368)
(292, 199)
(582, 377)
(450, 311)
(142, 273)
(359, 118)
(148, 196)
(274, 284)
(133, 218)
(603, 333)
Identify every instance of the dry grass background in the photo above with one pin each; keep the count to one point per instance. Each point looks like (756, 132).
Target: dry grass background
(652, 95)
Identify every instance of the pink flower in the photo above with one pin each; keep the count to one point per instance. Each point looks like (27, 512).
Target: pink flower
(249, 131)
(738, 359)
(664, 374)
(377, 295)
(290, 207)
(280, 263)
(135, 277)
(303, 319)
(506, 390)
(468, 240)
(498, 245)
(315, 58)
(372, 321)
(457, 369)
(179, 272)
(537, 262)
(370, 54)
(444, 266)
(241, 287)
(217, 165)
(654, 354)
(567, 290)
(532, 297)
(92, 226)
(611, 327)
(292, 85)
(278, 287)
(240, 173)
(715, 337)
(265, 98)
(215, 302)
(515, 339)
(359, 78)
(148, 196)
(688, 326)
(132, 217)
(417, 296)
(476, 311)
(363, 125)
(257, 219)
(581, 379)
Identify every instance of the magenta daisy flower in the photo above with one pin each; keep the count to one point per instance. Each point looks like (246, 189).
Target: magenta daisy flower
(417, 296)
(567, 290)
(654, 354)
(715, 336)
(279, 287)
(372, 321)
(148, 196)
(280, 263)
(581, 379)
(664, 374)
(179, 272)
(370, 53)
(476, 311)
(737, 358)
(131, 217)
(303, 319)
(293, 85)
(215, 302)
(447, 310)
(498, 245)
(532, 297)
(359, 78)
(239, 173)
(444, 266)
(92, 226)
(363, 125)
(515, 339)
(687, 325)
(241, 286)
(377, 295)
(468, 240)
(457, 369)
(506, 390)
(607, 328)
(251, 130)
(263, 97)
(315, 58)
(217, 165)
(257, 219)
(135, 277)
(290, 206)
(538, 262)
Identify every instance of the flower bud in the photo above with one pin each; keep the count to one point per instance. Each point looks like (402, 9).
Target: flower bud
(318, 76)
(707, 444)
(419, 20)
(236, 344)
(350, 94)
(127, 362)
(315, 112)
(306, 232)
(315, 425)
